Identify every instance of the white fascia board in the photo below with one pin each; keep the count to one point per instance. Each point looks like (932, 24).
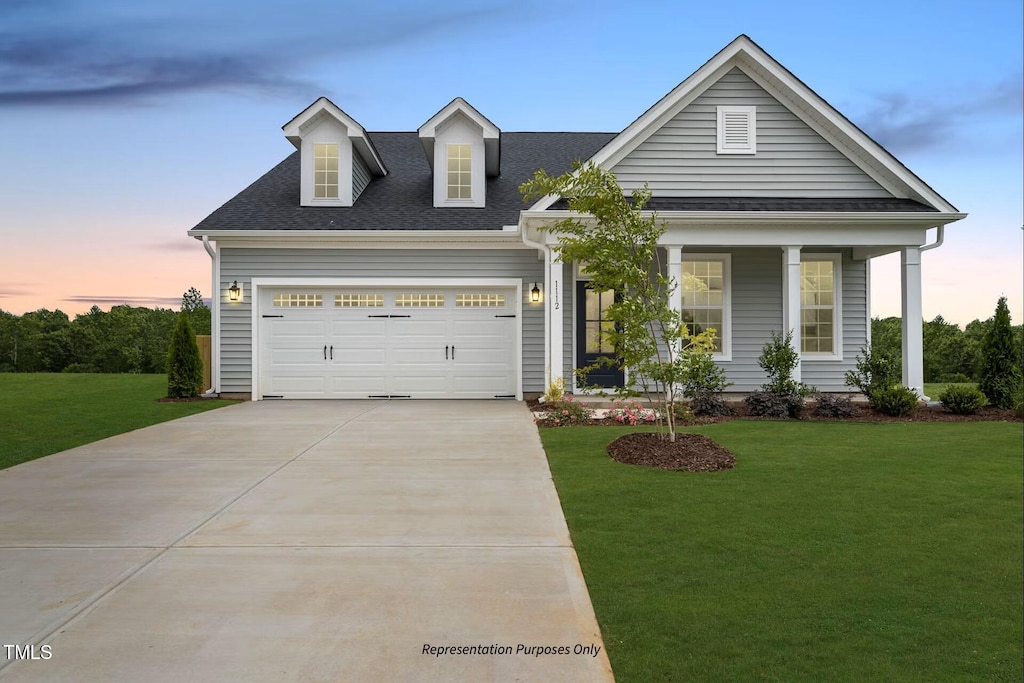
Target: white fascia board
(878, 218)
(366, 239)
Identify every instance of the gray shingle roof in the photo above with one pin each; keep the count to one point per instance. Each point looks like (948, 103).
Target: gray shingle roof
(403, 199)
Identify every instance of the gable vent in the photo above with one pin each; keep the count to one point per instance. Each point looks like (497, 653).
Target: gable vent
(737, 130)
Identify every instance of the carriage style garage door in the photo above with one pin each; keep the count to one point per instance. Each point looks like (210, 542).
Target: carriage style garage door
(415, 342)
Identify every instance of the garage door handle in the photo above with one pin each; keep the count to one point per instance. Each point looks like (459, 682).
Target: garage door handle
(453, 351)
(446, 353)
(332, 352)
(325, 351)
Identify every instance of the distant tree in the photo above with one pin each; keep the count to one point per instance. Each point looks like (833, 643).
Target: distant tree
(184, 365)
(8, 341)
(198, 312)
(948, 355)
(1000, 371)
(887, 337)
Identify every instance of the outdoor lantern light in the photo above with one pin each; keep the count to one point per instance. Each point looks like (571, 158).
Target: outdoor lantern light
(535, 293)
(234, 292)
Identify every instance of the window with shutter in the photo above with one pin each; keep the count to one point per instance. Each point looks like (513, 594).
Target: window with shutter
(737, 130)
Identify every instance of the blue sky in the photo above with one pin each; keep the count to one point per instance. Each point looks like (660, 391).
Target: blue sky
(127, 123)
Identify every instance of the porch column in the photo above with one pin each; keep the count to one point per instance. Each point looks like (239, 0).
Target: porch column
(675, 275)
(913, 334)
(553, 307)
(791, 300)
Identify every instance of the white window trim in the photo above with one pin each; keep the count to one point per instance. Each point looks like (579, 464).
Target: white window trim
(837, 307)
(751, 115)
(447, 186)
(726, 353)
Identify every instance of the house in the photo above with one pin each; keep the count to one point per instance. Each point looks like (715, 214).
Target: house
(407, 264)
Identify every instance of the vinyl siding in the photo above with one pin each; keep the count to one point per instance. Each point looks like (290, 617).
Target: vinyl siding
(757, 312)
(243, 264)
(792, 160)
(360, 175)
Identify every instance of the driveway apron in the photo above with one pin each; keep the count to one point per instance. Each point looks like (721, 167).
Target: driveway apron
(297, 541)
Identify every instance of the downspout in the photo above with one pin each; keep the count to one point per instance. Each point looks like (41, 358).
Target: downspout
(215, 319)
(939, 236)
(546, 251)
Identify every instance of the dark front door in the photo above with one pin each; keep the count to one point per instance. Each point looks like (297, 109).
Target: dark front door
(593, 341)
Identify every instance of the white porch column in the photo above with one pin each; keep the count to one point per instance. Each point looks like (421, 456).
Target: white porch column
(913, 317)
(791, 300)
(553, 298)
(675, 275)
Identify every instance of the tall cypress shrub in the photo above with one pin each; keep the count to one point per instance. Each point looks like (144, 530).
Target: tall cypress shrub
(184, 364)
(1000, 369)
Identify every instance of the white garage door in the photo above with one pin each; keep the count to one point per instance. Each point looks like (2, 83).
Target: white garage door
(415, 342)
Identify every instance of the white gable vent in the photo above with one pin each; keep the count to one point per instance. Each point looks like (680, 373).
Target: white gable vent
(737, 130)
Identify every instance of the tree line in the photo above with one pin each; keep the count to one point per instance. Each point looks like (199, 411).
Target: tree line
(125, 339)
(951, 354)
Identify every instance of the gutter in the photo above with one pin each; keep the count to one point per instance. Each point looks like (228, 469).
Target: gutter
(211, 392)
(546, 251)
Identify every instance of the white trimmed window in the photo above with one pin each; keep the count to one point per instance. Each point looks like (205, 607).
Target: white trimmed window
(460, 176)
(706, 298)
(325, 170)
(737, 130)
(820, 299)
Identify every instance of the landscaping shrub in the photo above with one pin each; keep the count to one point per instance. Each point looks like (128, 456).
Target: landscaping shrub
(832, 405)
(962, 400)
(682, 413)
(781, 395)
(1000, 370)
(565, 412)
(709, 404)
(184, 364)
(703, 383)
(774, 404)
(895, 400)
(632, 413)
(875, 370)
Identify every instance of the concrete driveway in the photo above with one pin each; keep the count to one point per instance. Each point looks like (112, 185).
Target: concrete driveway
(297, 541)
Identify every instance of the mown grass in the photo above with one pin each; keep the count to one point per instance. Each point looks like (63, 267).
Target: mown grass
(42, 414)
(832, 552)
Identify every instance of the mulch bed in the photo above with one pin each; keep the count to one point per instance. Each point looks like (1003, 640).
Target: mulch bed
(689, 452)
(165, 399)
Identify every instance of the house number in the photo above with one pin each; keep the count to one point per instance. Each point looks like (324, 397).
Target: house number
(556, 295)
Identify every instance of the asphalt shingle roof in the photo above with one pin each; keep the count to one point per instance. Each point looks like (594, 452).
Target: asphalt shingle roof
(403, 199)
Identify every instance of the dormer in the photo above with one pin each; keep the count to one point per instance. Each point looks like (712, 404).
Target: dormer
(338, 159)
(463, 149)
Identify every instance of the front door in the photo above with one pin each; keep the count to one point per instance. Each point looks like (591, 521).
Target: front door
(593, 341)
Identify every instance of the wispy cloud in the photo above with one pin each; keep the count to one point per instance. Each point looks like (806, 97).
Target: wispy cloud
(186, 244)
(8, 291)
(101, 301)
(68, 52)
(902, 122)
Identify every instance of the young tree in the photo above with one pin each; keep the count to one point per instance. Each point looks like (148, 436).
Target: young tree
(1000, 369)
(198, 312)
(619, 243)
(184, 365)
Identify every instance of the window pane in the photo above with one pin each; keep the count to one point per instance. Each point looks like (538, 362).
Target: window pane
(593, 337)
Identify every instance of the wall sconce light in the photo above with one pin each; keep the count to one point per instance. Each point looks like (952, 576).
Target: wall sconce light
(234, 292)
(535, 293)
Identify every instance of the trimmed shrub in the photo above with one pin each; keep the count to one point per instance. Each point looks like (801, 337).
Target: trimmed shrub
(896, 400)
(184, 364)
(774, 404)
(709, 404)
(832, 405)
(1000, 370)
(962, 400)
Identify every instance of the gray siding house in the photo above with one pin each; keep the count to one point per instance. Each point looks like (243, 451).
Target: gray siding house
(408, 265)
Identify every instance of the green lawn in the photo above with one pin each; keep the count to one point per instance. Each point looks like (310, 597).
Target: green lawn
(932, 391)
(832, 552)
(45, 413)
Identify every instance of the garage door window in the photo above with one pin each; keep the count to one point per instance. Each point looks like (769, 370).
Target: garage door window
(479, 300)
(298, 300)
(359, 300)
(415, 300)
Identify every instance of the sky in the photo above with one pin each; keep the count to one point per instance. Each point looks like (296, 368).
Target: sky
(125, 124)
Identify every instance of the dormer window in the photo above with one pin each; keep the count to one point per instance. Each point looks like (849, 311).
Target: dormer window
(325, 178)
(460, 171)
(464, 150)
